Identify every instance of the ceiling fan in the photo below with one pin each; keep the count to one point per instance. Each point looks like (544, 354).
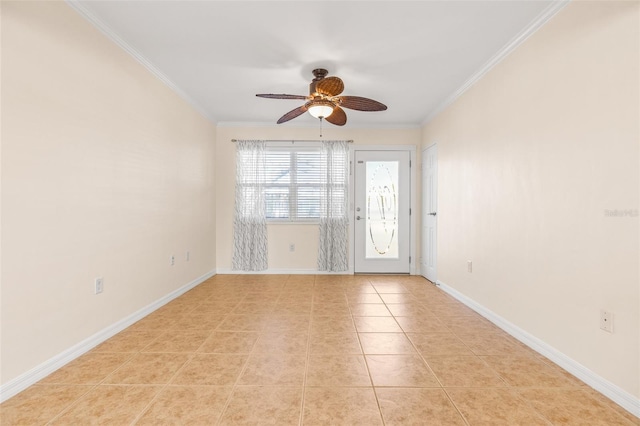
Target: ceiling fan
(324, 100)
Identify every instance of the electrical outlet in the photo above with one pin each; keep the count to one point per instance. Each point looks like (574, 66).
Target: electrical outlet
(99, 285)
(606, 321)
(187, 256)
(469, 266)
(172, 260)
(292, 247)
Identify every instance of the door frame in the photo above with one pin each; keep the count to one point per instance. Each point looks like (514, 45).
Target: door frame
(412, 202)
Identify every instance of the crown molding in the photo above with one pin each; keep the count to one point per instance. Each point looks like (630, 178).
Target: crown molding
(535, 25)
(114, 37)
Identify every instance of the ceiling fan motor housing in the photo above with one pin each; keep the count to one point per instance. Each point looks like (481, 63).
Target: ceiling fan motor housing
(319, 74)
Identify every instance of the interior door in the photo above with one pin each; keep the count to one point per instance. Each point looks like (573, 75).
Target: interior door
(381, 210)
(429, 212)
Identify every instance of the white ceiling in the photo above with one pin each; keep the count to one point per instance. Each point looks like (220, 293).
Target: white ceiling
(412, 56)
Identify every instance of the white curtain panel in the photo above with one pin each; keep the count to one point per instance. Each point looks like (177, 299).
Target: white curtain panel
(250, 223)
(334, 224)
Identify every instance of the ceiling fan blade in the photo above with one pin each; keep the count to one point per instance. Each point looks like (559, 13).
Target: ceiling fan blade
(337, 117)
(293, 114)
(280, 96)
(330, 86)
(361, 104)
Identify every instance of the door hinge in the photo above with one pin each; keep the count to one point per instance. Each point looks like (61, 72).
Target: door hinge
(409, 211)
(409, 163)
(409, 260)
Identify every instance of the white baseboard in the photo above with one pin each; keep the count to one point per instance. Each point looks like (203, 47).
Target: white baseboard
(41, 371)
(605, 387)
(225, 271)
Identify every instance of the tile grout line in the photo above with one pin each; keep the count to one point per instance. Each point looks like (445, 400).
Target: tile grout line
(525, 401)
(178, 371)
(364, 356)
(192, 355)
(462, 416)
(72, 404)
(431, 370)
(507, 386)
(242, 370)
(92, 387)
(308, 355)
(95, 386)
(455, 406)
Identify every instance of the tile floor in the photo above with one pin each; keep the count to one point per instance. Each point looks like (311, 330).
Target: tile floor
(312, 350)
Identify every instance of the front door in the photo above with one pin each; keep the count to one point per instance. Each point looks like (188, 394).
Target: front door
(381, 210)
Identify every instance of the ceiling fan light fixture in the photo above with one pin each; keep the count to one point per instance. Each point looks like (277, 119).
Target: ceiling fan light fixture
(321, 109)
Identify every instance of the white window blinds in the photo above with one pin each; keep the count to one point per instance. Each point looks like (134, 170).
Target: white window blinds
(295, 179)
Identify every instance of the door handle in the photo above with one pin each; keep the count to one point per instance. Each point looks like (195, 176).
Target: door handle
(357, 217)
(432, 213)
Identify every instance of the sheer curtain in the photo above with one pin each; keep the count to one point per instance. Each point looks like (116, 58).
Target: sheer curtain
(334, 224)
(250, 223)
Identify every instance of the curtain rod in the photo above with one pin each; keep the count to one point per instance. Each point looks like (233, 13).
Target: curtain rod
(291, 140)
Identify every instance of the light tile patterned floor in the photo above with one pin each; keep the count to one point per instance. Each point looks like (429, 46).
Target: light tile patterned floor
(312, 350)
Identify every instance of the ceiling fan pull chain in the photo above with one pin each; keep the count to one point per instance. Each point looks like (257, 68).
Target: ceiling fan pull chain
(320, 126)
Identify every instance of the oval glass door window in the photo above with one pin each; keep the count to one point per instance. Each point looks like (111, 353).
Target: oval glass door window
(382, 210)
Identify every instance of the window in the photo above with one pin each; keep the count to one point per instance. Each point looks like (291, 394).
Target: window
(296, 182)
(290, 183)
(293, 183)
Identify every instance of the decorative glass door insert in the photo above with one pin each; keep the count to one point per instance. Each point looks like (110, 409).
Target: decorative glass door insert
(382, 210)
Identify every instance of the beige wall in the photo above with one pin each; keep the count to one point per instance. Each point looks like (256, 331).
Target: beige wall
(529, 161)
(105, 172)
(305, 237)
